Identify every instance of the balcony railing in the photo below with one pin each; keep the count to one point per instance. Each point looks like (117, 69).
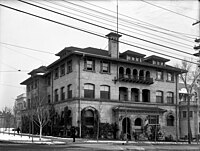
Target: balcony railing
(135, 79)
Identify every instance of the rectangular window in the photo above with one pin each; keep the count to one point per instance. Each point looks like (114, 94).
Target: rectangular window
(191, 114)
(35, 84)
(105, 67)
(159, 75)
(159, 96)
(69, 66)
(62, 93)
(105, 92)
(56, 73)
(56, 95)
(184, 114)
(170, 97)
(28, 87)
(89, 64)
(48, 80)
(49, 98)
(170, 77)
(62, 70)
(69, 91)
(128, 58)
(153, 119)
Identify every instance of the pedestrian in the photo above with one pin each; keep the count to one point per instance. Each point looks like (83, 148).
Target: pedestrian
(18, 130)
(73, 133)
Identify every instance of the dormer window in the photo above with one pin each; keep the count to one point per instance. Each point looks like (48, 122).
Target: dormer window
(128, 58)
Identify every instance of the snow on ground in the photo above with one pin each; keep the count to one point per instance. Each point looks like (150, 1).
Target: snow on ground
(18, 138)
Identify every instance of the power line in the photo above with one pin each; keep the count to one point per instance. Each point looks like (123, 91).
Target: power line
(23, 46)
(92, 33)
(10, 66)
(168, 10)
(125, 20)
(145, 23)
(11, 85)
(105, 28)
(24, 54)
(188, 46)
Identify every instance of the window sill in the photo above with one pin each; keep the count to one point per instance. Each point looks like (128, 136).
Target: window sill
(89, 70)
(161, 80)
(69, 72)
(169, 81)
(105, 73)
(62, 75)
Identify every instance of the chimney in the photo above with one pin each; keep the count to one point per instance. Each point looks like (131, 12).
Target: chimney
(113, 44)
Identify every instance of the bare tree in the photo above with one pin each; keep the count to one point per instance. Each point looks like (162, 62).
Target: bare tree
(189, 79)
(40, 114)
(7, 113)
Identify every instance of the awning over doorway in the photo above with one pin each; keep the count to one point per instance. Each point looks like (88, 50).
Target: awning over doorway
(139, 109)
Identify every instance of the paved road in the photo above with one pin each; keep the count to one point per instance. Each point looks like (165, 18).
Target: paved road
(96, 147)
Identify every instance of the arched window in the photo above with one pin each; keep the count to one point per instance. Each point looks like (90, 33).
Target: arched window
(121, 72)
(69, 91)
(128, 72)
(147, 75)
(88, 90)
(89, 118)
(138, 122)
(104, 92)
(135, 73)
(159, 97)
(141, 74)
(170, 120)
(123, 94)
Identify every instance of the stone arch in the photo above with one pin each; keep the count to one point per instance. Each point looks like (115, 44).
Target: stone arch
(170, 118)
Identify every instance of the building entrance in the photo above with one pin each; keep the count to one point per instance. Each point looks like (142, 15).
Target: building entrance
(126, 127)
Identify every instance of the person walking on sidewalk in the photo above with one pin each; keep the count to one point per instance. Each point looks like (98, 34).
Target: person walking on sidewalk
(73, 133)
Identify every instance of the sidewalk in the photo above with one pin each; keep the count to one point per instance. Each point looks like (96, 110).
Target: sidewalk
(26, 138)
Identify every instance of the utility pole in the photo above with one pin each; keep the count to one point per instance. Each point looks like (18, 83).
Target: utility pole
(197, 40)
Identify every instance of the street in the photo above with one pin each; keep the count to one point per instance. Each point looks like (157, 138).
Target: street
(5, 146)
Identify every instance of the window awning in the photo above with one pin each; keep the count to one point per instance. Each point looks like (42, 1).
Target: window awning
(139, 109)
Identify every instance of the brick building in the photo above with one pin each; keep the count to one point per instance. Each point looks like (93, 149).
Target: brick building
(20, 105)
(127, 88)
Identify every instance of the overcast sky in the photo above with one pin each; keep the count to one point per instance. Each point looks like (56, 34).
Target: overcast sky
(167, 23)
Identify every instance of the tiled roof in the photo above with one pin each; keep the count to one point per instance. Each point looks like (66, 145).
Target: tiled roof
(67, 50)
(41, 69)
(154, 57)
(95, 51)
(132, 53)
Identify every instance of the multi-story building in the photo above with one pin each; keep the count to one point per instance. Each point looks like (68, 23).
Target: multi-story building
(194, 111)
(20, 105)
(126, 88)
